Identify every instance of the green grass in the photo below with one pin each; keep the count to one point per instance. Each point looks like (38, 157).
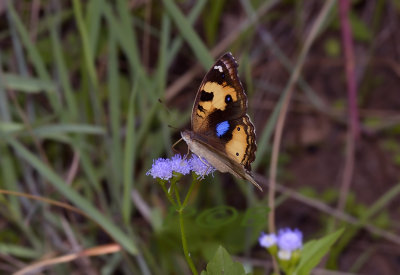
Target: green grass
(79, 103)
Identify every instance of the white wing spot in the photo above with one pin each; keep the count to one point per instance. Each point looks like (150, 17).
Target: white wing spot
(219, 68)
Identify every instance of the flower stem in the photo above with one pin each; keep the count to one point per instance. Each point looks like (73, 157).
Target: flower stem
(183, 235)
(178, 199)
(171, 200)
(189, 193)
(184, 243)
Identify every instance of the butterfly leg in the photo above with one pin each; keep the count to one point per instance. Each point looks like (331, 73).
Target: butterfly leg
(205, 172)
(187, 154)
(205, 163)
(173, 146)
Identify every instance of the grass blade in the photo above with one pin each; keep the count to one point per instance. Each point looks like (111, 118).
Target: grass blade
(18, 251)
(33, 53)
(89, 60)
(177, 43)
(9, 178)
(93, 22)
(115, 112)
(62, 69)
(73, 196)
(87, 51)
(27, 84)
(68, 129)
(129, 157)
(5, 114)
(190, 35)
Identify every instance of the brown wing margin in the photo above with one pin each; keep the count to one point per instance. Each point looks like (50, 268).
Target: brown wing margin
(251, 148)
(231, 65)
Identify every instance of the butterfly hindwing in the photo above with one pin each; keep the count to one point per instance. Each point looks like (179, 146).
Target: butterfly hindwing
(242, 145)
(234, 138)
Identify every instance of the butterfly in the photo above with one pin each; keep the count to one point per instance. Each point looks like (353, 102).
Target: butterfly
(222, 132)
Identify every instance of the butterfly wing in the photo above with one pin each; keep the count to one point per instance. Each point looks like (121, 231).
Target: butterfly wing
(234, 139)
(220, 96)
(219, 113)
(242, 145)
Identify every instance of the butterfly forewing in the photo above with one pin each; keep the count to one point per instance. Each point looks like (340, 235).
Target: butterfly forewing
(220, 96)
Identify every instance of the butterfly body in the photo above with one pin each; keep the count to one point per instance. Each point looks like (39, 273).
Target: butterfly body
(222, 132)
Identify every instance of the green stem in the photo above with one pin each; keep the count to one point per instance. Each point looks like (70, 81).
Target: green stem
(188, 193)
(183, 235)
(178, 199)
(184, 243)
(171, 200)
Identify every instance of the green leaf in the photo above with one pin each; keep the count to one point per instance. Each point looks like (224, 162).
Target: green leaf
(313, 251)
(18, 251)
(360, 30)
(57, 129)
(10, 127)
(332, 47)
(222, 264)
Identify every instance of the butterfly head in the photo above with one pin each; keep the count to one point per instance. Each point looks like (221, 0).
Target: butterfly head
(187, 136)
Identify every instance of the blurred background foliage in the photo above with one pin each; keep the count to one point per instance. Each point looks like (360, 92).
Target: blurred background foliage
(89, 89)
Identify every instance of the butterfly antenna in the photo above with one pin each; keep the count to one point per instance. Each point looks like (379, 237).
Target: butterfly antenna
(172, 127)
(163, 104)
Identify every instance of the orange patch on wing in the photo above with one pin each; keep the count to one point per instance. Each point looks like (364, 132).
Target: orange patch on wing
(236, 147)
(219, 92)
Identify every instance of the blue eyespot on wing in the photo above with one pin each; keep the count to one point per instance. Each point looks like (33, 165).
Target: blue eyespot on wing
(222, 128)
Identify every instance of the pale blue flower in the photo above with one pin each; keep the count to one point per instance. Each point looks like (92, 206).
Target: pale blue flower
(180, 165)
(161, 168)
(200, 166)
(267, 240)
(290, 240)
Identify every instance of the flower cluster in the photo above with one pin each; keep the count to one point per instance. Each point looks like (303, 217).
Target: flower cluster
(287, 241)
(165, 168)
(290, 240)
